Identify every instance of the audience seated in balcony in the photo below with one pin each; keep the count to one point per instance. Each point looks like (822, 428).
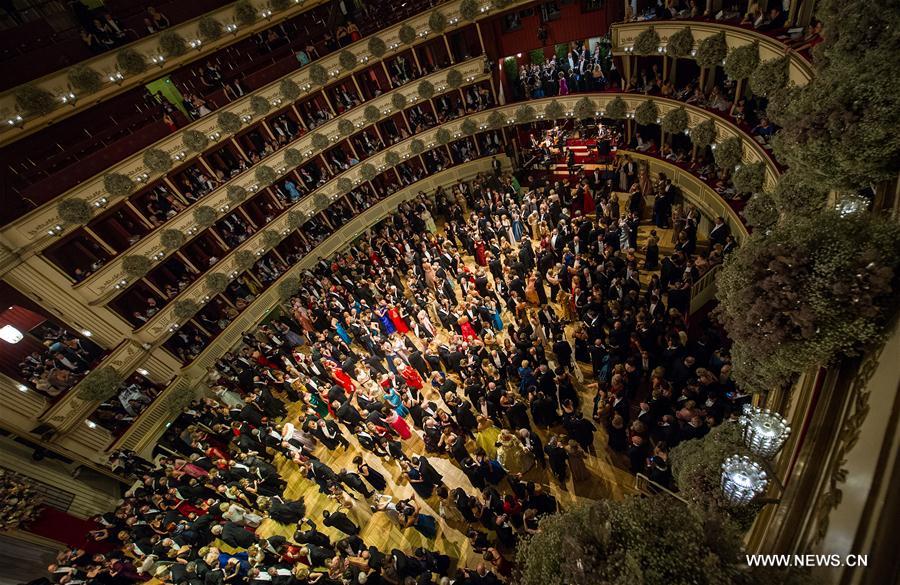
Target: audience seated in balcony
(64, 362)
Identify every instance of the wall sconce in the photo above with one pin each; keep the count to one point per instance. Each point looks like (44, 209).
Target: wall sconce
(195, 44)
(158, 60)
(55, 230)
(246, 118)
(267, 14)
(116, 77)
(16, 121)
(68, 98)
(765, 432)
(159, 256)
(101, 203)
(121, 284)
(742, 480)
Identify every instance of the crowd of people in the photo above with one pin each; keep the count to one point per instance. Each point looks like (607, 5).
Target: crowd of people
(64, 361)
(514, 344)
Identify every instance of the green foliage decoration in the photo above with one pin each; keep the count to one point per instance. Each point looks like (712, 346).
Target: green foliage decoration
(99, 385)
(761, 211)
(185, 309)
(496, 120)
(271, 238)
(675, 121)
(742, 61)
(244, 259)
(377, 47)
(398, 100)
(205, 216)
(407, 34)
(117, 184)
(712, 50)
(131, 62)
(172, 44)
(85, 79)
(794, 197)
(525, 114)
(293, 157)
(216, 282)
(416, 146)
(647, 113)
(437, 21)
(704, 134)
(681, 43)
(318, 74)
(195, 141)
(647, 42)
(172, 239)
(616, 109)
(770, 76)
(236, 194)
(425, 89)
(346, 127)
(288, 89)
(34, 101)
(367, 171)
(210, 29)
(74, 211)
(319, 141)
(391, 158)
(749, 177)
(135, 265)
(454, 78)
(585, 108)
(468, 9)
(443, 136)
(265, 174)
(228, 122)
(259, 105)
(809, 289)
(157, 160)
(347, 60)
(245, 13)
(371, 114)
(554, 110)
(729, 152)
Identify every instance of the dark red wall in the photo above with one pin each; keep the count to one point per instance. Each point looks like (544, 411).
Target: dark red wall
(572, 25)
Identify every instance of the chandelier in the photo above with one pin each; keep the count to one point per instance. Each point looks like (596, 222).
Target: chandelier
(764, 431)
(742, 479)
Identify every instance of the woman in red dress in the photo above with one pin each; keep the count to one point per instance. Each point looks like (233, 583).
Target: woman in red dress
(412, 377)
(398, 424)
(480, 256)
(340, 376)
(468, 332)
(589, 208)
(399, 324)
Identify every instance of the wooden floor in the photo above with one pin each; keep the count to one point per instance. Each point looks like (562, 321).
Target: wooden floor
(607, 480)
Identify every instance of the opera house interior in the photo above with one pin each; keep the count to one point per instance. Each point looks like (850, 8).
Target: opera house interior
(472, 292)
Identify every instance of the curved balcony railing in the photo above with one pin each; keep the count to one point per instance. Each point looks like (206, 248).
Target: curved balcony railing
(104, 280)
(623, 36)
(31, 231)
(57, 83)
(160, 324)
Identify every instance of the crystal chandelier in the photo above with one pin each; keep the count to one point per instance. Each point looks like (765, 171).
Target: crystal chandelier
(764, 431)
(742, 480)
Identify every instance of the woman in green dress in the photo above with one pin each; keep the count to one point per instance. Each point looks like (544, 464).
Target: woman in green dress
(486, 435)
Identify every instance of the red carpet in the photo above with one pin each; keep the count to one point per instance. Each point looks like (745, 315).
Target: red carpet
(58, 525)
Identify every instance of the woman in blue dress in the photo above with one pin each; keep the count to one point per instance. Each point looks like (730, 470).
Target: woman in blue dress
(496, 319)
(341, 331)
(385, 319)
(517, 227)
(292, 191)
(412, 518)
(395, 401)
